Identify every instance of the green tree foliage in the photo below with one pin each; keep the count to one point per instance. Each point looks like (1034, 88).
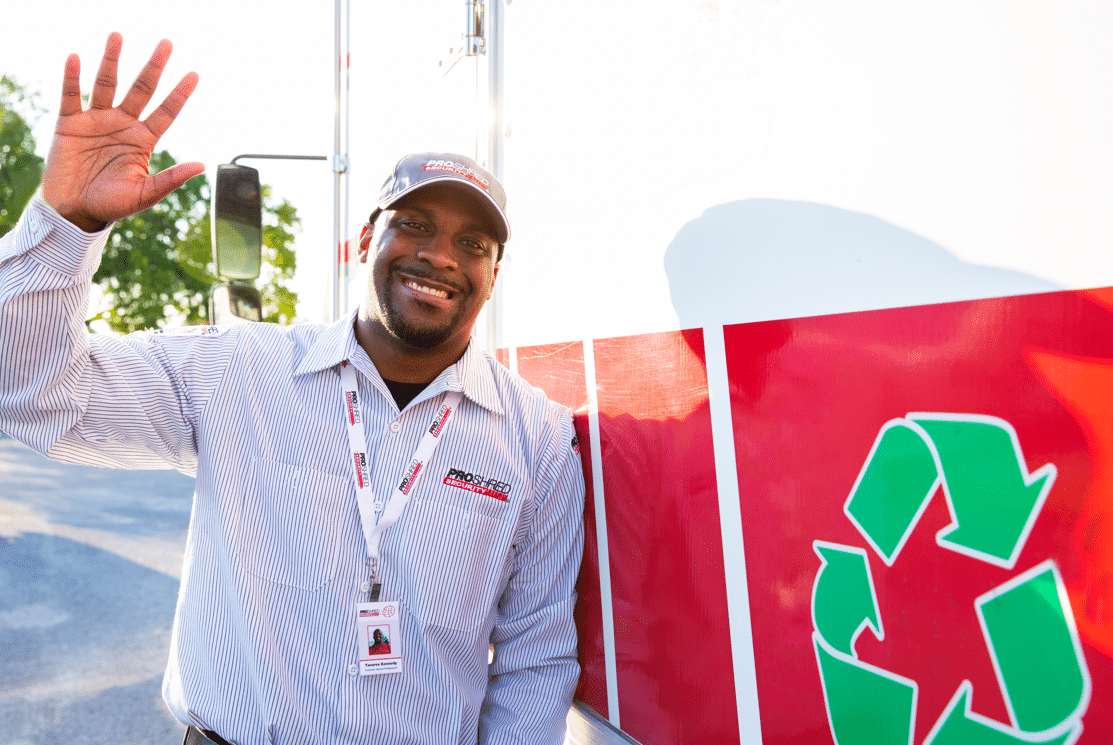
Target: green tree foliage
(20, 169)
(157, 266)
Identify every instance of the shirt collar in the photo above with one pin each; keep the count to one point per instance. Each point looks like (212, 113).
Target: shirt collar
(331, 347)
(471, 374)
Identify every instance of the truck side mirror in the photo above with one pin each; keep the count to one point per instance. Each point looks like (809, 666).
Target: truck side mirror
(234, 302)
(237, 222)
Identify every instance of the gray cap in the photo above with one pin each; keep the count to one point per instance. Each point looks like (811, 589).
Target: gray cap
(421, 169)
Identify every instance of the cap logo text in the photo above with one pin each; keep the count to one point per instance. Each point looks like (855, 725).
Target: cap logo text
(459, 169)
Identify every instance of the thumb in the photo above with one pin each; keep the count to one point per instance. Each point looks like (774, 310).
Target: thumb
(164, 182)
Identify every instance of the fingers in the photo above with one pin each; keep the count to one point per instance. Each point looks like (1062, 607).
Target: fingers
(104, 89)
(140, 93)
(144, 86)
(164, 182)
(162, 117)
(71, 87)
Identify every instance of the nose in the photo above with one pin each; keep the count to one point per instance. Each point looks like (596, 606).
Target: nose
(439, 251)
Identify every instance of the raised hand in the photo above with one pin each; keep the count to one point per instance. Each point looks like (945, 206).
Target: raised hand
(97, 169)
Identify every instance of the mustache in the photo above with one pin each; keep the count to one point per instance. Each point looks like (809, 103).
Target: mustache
(425, 272)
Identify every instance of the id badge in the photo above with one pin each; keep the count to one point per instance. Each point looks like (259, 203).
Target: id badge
(379, 638)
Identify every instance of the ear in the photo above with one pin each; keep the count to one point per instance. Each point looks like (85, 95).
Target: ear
(494, 276)
(365, 235)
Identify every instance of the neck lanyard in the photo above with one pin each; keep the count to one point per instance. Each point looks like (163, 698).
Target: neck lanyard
(375, 516)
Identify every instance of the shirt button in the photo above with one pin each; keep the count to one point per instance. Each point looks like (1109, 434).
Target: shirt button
(365, 587)
(395, 426)
(378, 505)
(353, 670)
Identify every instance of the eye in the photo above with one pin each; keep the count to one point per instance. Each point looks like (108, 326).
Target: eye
(411, 224)
(477, 248)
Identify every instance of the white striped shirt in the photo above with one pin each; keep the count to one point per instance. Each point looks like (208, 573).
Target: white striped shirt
(264, 640)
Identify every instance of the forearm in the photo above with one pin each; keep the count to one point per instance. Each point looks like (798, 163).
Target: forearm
(46, 265)
(535, 669)
(85, 398)
(532, 682)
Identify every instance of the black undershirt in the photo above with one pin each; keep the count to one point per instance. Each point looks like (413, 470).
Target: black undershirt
(404, 392)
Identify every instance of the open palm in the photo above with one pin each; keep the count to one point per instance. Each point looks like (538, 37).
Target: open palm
(97, 169)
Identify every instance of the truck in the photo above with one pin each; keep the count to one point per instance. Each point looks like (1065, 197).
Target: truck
(827, 288)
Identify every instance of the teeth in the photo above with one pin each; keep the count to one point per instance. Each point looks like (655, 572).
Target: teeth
(427, 290)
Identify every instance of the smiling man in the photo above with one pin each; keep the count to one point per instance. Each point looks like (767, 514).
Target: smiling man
(433, 244)
(378, 473)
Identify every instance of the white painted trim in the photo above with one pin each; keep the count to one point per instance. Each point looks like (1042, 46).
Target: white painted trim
(601, 531)
(730, 522)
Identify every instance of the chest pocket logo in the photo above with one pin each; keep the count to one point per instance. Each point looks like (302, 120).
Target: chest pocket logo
(477, 484)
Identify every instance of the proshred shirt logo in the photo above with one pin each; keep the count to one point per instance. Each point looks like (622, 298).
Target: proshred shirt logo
(351, 398)
(410, 477)
(361, 469)
(475, 483)
(438, 423)
(457, 168)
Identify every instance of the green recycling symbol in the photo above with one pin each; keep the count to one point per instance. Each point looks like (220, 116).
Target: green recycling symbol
(1027, 622)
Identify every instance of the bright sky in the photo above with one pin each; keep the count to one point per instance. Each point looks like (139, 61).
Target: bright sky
(983, 131)
(266, 87)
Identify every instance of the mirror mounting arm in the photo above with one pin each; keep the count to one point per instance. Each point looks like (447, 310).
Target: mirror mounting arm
(279, 157)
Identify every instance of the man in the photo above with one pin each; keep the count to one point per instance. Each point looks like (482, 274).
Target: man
(381, 469)
(380, 645)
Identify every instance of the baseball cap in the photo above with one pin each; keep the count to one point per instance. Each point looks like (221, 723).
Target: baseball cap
(422, 169)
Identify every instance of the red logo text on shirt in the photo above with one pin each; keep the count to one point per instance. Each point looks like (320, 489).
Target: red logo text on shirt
(477, 484)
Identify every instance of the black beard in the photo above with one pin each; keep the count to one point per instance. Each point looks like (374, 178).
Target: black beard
(416, 336)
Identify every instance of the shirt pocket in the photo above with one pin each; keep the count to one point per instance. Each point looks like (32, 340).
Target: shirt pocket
(289, 525)
(452, 563)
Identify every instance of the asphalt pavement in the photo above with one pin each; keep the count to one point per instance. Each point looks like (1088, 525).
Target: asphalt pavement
(90, 561)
